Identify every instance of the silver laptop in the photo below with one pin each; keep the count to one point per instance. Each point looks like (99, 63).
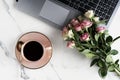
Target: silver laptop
(59, 12)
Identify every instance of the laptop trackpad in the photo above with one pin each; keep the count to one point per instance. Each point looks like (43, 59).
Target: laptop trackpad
(54, 12)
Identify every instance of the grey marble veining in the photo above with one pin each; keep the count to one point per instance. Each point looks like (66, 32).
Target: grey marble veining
(5, 54)
(7, 8)
(8, 65)
(22, 71)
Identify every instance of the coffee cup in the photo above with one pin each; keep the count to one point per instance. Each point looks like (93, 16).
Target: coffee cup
(33, 50)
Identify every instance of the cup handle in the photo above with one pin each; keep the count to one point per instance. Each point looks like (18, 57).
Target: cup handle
(19, 45)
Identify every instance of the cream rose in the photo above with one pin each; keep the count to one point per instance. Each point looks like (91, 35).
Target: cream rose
(70, 34)
(96, 19)
(89, 14)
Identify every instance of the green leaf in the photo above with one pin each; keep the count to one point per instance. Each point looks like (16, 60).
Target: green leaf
(106, 32)
(93, 42)
(76, 36)
(111, 68)
(101, 41)
(94, 62)
(109, 59)
(101, 63)
(88, 53)
(79, 49)
(86, 45)
(96, 37)
(117, 65)
(109, 39)
(114, 52)
(116, 62)
(91, 32)
(103, 36)
(108, 48)
(102, 72)
(102, 22)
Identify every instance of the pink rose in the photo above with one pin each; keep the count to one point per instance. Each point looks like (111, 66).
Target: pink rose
(86, 24)
(74, 22)
(78, 27)
(65, 30)
(64, 33)
(83, 24)
(71, 44)
(84, 37)
(100, 29)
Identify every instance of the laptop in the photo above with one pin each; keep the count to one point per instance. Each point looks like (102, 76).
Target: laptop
(59, 12)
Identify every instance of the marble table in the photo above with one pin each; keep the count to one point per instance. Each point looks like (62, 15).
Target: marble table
(65, 64)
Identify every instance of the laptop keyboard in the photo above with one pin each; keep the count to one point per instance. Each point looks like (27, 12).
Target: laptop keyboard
(102, 8)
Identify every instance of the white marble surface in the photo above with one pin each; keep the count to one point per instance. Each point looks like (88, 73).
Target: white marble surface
(65, 64)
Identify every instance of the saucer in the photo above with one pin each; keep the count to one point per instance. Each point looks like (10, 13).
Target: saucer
(44, 41)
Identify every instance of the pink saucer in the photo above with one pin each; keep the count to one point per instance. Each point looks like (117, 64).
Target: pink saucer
(47, 49)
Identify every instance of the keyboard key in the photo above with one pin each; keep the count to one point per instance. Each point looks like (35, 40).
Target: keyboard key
(116, 1)
(81, 9)
(104, 5)
(72, 0)
(109, 2)
(77, 2)
(107, 17)
(65, 1)
(113, 5)
(106, 1)
(95, 1)
(81, 4)
(102, 8)
(71, 5)
(110, 11)
(103, 15)
(105, 10)
(76, 7)
(92, 4)
(85, 1)
(101, 3)
(87, 7)
(107, 6)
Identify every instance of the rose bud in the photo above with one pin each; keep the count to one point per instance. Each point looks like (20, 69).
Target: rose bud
(71, 44)
(85, 37)
(65, 33)
(100, 29)
(86, 24)
(70, 34)
(69, 25)
(96, 19)
(89, 14)
(74, 22)
(80, 18)
(78, 27)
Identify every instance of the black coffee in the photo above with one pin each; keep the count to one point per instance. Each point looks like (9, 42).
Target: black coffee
(33, 51)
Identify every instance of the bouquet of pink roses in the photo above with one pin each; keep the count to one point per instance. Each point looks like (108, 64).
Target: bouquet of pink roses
(90, 37)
